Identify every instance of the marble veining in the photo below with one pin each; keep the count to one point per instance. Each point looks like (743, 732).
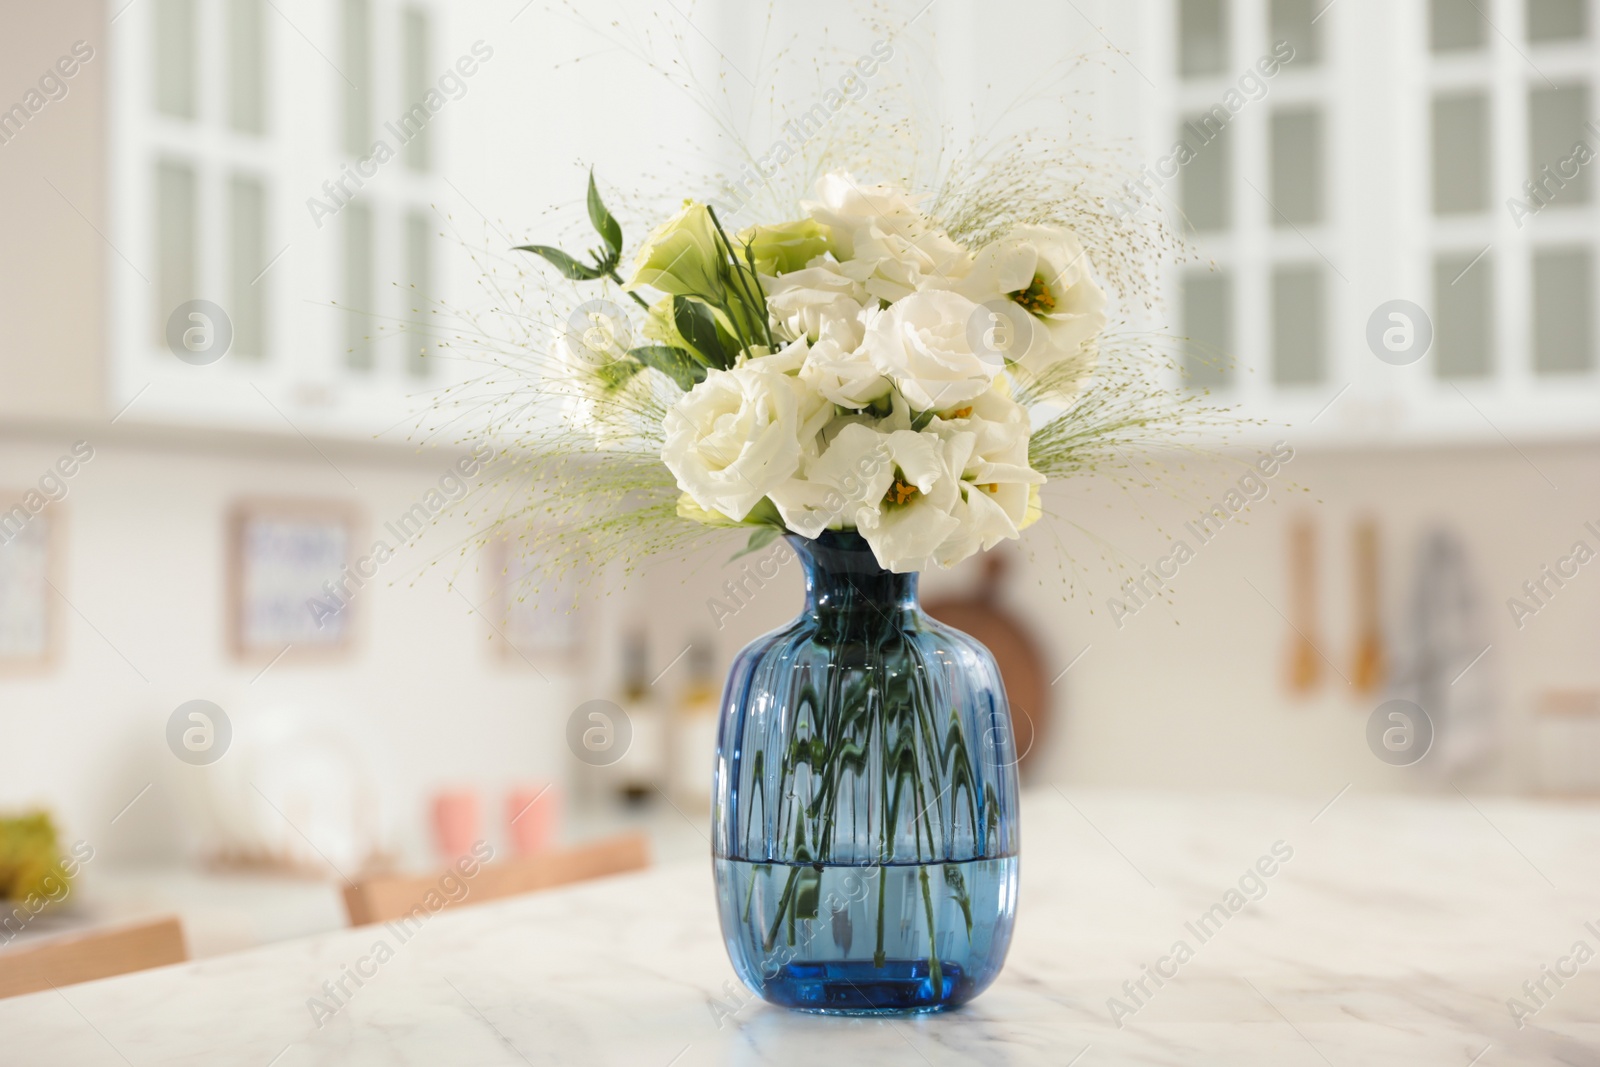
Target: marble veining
(1395, 934)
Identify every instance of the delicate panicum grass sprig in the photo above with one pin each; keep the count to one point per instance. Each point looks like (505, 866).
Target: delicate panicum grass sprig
(577, 485)
(1035, 179)
(1125, 403)
(575, 399)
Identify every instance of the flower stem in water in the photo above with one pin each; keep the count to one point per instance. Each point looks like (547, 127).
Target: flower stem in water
(933, 935)
(783, 908)
(877, 956)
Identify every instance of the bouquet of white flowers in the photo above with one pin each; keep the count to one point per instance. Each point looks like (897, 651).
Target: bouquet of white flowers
(897, 363)
(857, 368)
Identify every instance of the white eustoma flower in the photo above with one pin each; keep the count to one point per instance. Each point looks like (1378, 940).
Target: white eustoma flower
(896, 488)
(788, 359)
(843, 374)
(882, 239)
(981, 523)
(853, 471)
(602, 390)
(736, 436)
(996, 480)
(682, 256)
(817, 299)
(924, 343)
(1045, 304)
(917, 513)
(816, 411)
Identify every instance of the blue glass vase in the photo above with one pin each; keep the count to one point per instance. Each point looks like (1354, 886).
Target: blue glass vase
(865, 804)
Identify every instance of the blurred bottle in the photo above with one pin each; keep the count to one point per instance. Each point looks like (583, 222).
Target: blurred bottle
(455, 822)
(533, 817)
(641, 771)
(695, 727)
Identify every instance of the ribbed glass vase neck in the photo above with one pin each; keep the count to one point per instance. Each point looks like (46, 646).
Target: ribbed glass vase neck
(842, 575)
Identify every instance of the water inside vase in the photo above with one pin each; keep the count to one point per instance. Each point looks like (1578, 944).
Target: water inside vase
(855, 939)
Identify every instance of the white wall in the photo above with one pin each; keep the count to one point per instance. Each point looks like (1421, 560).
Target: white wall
(1191, 694)
(1187, 695)
(425, 691)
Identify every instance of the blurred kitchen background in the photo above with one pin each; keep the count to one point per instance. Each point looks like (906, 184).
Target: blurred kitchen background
(1418, 537)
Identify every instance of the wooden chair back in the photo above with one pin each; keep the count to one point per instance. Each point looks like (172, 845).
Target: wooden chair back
(388, 897)
(84, 957)
(1566, 733)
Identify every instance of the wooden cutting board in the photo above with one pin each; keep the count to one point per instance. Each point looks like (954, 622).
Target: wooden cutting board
(1015, 649)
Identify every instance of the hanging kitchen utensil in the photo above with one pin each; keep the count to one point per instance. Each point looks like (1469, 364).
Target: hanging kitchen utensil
(1446, 663)
(1305, 662)
(1371, 667)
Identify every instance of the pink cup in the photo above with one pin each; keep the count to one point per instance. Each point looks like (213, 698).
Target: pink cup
(455, 822)
(533, 815)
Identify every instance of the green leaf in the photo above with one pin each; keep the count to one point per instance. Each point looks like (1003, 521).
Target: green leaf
(807, 893)
(609, 229)
(760, 538)
(568, 266)
(618, 372)
(697, 325)
(675, 363)
(765, 513)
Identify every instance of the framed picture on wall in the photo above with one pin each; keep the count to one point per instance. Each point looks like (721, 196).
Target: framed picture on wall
(290, 582)
(535, 614)
(29, 560)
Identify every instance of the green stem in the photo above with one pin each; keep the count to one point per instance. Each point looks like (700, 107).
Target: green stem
(750, 890)
(758, 307)
(877, 956)
(884, 852)
(934, 971)
(745, 343)
(755, 276)
(960, 765)
(922, 821)
(783, 909)
(835, 730)
(641, 301)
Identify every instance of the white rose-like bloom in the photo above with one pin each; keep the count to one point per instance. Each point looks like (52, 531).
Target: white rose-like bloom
(1045, 273)
(847, 207)
(816, 412)
(882, 239)
(806, 303)
(853, 471)
(844, 375)
(924, 343)
(921, 499)
(787, 359)
(898, 489)
(736, 436)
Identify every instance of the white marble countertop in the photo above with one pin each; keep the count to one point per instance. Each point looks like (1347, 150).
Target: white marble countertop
(1395, 933)
(224, 911)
